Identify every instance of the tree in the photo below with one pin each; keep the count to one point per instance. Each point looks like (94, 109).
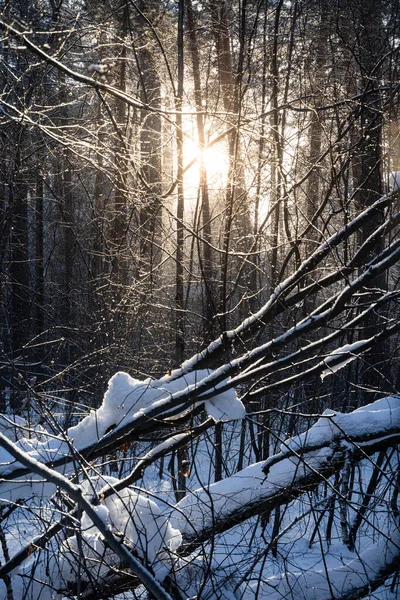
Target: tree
(287, 250)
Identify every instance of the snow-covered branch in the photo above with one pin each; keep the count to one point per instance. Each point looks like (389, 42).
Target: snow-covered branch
(303, 461)
(104, 524)
(129, 405)
(281, 294)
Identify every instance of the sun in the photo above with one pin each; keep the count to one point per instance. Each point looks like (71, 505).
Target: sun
(216, 163)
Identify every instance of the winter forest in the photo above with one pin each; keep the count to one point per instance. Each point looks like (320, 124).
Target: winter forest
(199, 278)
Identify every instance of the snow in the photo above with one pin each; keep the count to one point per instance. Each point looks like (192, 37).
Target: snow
(134, 515)
(126, 398)
(13, 427)
(283, 289)
(349, 352)
(202, 507)
(131, 515)
(103, 513)
(377, 418)
(153, 530)
(190, 575)
(311, 584)
(99, 68)
(134, 518)
(225, 408)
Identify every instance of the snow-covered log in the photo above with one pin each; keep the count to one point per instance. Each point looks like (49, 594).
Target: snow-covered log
(304, 460)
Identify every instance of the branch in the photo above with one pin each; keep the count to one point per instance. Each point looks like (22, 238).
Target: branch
(75, 492)
(254, 323)
(305, 461)
(98, 85)
(173, 443)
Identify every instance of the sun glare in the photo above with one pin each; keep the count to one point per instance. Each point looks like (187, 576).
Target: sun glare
(216, 164)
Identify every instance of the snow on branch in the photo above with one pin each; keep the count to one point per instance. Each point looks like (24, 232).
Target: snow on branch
(106, 488)
(100, 524)
(126, 398)
(281, 293)
(303, 461)
(342, 356)
(332, 363)
(131, 406)
(127, 403)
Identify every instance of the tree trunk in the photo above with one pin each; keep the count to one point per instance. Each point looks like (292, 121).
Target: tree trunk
(179, 281)
(205, 254)
(19, 265)
(369, 167)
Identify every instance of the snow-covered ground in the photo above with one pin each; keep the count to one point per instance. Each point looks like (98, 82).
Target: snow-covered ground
(245, 561)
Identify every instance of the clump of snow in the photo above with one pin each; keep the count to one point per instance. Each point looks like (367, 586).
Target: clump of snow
(225, 407)
(132, 516)
(126, 397)
(349, 353)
